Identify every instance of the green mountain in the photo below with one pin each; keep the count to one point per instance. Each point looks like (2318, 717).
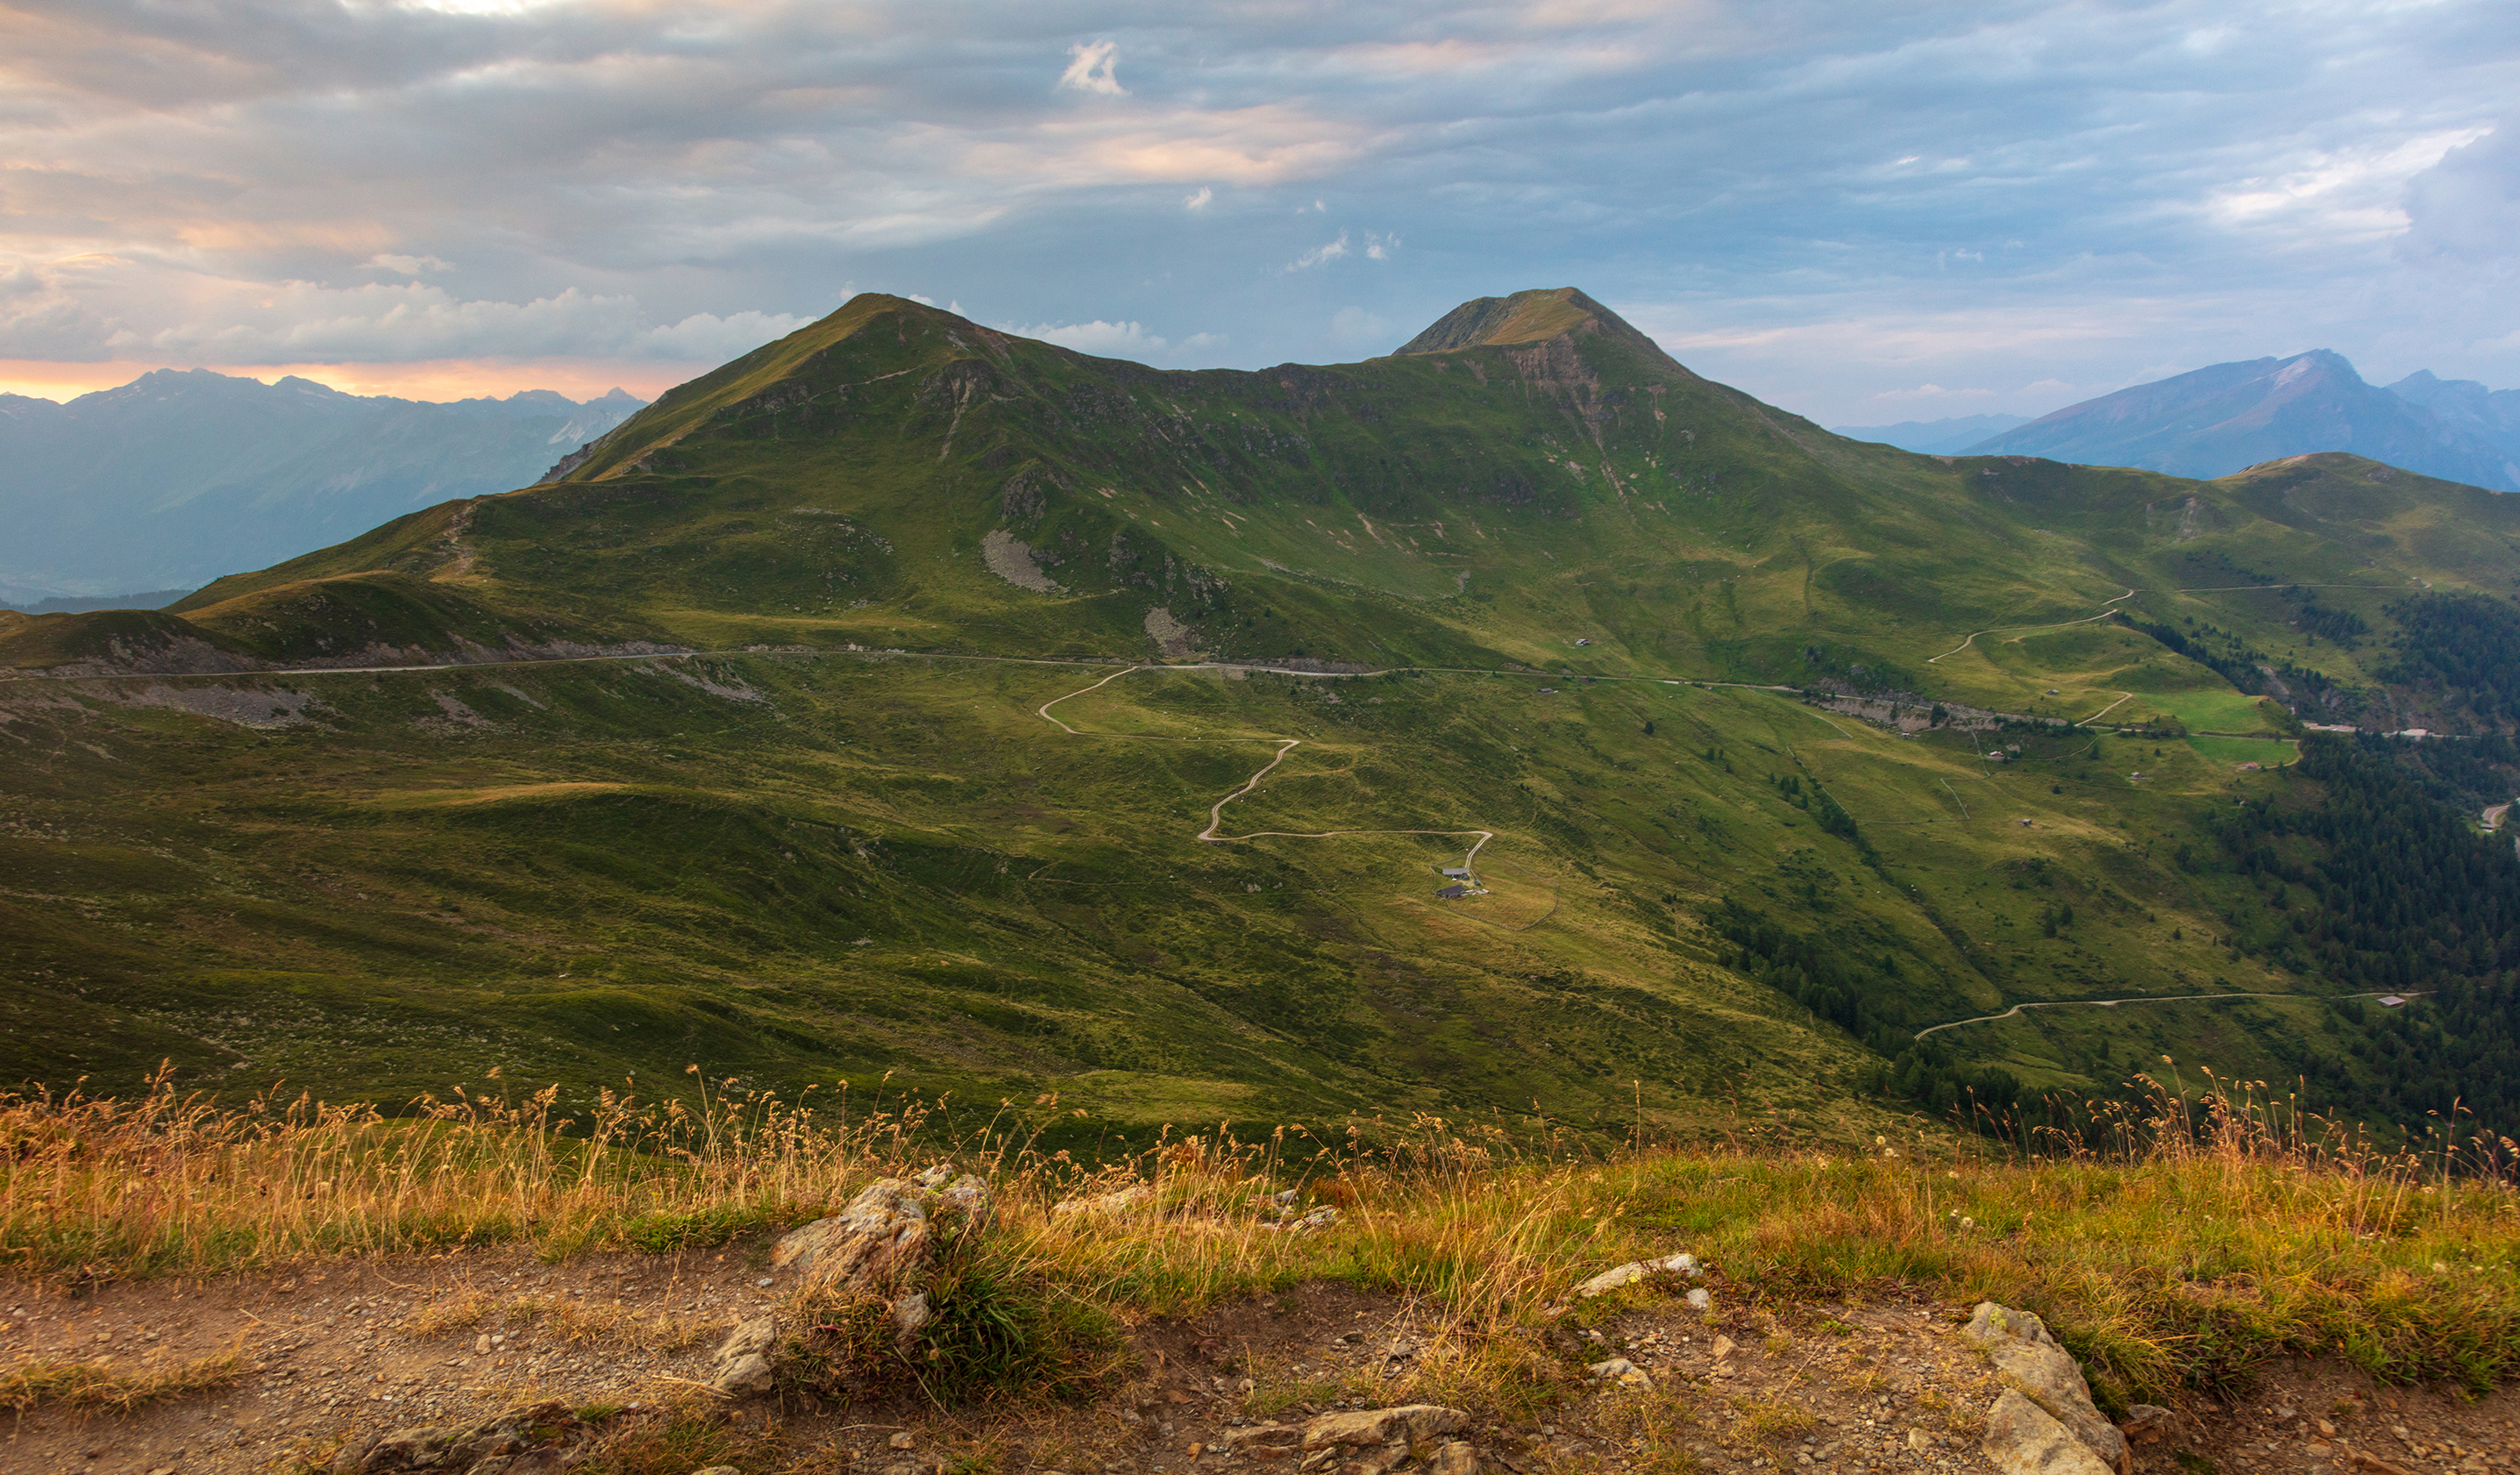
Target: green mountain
(1528, 578)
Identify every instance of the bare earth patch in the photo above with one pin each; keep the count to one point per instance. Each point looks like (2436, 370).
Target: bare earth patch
(353, 1348)
(1010, 558)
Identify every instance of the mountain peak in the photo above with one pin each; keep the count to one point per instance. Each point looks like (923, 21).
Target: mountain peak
(2217, 420)
(1525, 317)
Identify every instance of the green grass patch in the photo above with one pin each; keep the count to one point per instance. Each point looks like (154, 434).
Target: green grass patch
(2234, 751)
(2210, 711)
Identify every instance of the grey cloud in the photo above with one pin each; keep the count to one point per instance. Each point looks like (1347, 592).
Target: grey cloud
(2468, 205)
(1837, 201)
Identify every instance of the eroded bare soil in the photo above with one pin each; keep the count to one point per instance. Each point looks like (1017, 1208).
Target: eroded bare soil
(379, 1344)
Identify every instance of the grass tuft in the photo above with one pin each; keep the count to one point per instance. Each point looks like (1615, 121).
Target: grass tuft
(101, 1387)
(998, 1328)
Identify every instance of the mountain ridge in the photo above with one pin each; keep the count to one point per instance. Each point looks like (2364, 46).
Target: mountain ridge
(1947, 437)
(184, 475)
(2217, 420)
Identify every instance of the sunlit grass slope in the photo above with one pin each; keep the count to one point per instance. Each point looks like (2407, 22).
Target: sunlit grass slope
(796, 869)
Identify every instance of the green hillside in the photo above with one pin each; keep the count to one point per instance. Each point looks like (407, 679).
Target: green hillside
(1494, 583)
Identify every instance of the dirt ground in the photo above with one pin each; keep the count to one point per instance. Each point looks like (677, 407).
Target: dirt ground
(380, 1345)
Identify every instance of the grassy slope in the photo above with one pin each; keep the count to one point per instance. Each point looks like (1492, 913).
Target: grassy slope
(812, 869)
(392, 897)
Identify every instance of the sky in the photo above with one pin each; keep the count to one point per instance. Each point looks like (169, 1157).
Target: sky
(1864, 211)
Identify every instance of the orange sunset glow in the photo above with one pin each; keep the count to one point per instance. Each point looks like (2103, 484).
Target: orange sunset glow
(430, 380)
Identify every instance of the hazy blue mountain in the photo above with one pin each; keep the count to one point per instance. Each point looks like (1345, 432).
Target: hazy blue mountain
(2229, 417)
(180, 476)
(1934, 437)
(2492, 416)
(146, 598)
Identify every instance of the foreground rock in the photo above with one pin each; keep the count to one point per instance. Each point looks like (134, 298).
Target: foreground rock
(1366, 1442)
(2146, 1424)
(1638, 1269)
(2045, 1422)
(536, 1439)
(882, 1237)
(879, 1246)
(742, 1366)
(2024, 1439)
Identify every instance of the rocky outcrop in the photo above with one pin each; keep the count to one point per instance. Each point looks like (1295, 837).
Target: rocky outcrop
(1010, 557)
(1171, 637)
(2023, 1438)
(2045, 1422)
(878, 1247)
(742, 1366)
(1364, 1442)
(535, 1439)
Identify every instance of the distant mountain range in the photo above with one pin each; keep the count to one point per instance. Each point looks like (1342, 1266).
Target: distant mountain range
(180, 476)
(1935, 437)
(2229, 416)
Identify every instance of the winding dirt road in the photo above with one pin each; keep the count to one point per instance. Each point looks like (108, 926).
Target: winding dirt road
(2110, 609)
(2110, 1004)
(1286, 745)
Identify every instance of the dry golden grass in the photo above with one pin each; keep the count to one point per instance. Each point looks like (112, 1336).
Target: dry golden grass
(102, 1387)
(2176, 1244)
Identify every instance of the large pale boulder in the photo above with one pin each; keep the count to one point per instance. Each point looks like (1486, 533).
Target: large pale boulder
(2029, 1362)
(2024, 1439)
(877, 1239)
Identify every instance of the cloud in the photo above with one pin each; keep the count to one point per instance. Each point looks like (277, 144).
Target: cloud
(1118, 341)
(705, 335)
(1091, 67)
(240, 323)
(1327, 251)
(2466, 206)
(1785, 192)
(1105, 340)
(2356, 192)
